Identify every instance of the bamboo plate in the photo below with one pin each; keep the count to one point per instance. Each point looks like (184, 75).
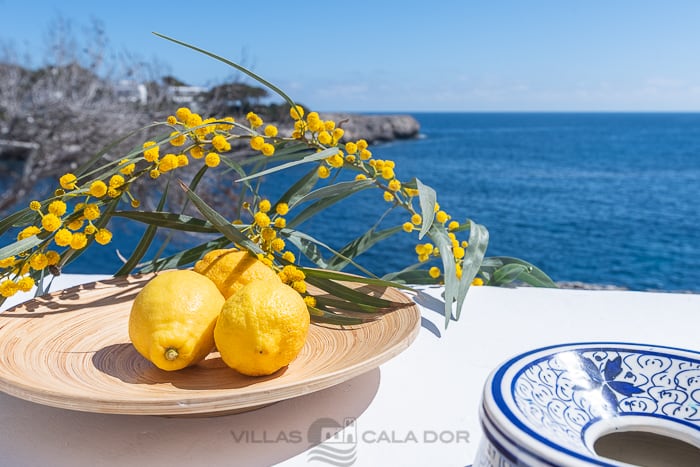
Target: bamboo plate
(71, 350)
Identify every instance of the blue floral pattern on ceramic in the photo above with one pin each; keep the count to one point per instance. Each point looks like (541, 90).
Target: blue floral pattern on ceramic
(554, 395)
(567, 391)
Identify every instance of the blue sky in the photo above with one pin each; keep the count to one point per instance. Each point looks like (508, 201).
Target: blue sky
(374, 55)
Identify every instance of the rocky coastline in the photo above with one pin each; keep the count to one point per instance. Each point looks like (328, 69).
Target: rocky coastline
(372, 128)
(376, 128)
(24, 159)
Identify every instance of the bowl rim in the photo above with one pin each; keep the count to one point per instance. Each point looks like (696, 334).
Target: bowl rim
(508, 425)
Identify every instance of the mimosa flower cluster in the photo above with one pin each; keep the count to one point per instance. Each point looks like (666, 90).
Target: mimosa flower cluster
(48, 235)
(72, 219)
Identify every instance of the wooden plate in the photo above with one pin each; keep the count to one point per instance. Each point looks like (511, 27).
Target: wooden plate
(71, 350)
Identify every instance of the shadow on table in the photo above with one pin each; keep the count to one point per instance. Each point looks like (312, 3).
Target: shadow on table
(437, 305)
(33, 434)
(106, 292)
(122, 361)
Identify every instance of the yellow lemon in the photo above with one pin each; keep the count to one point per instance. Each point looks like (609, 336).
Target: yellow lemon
(262, 328)
(232, 269)
(172, 319)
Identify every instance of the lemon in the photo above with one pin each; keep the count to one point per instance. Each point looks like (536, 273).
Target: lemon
(231, 269)
(262, 328)
(172, 319)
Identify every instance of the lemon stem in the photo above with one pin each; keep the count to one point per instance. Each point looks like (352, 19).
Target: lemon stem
(170, 354)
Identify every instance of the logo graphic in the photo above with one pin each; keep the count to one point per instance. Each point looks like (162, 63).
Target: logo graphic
(335, 443)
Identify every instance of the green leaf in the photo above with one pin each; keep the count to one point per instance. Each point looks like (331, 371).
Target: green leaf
(427, 198)
(439, 235)
(21, 217)
(346, 293)
(337, 189)
(233, 65)
(168, 220)
(399, 276)
(531, 274)
(413, 276)
(310, 158)
(308, 246)
(20, 246)
(341, 276)
(198, 177)
(474, 255)
(325, 302)
(185, 257)
(236, 167)
(220, 223)
(361, 244)
(287, 148)
(300, 188)
(144, 243)
(280, 157)
(346, 189)
(508, 273)
(82, 171)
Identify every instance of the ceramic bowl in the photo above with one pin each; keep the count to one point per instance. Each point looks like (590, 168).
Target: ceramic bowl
(593, 404)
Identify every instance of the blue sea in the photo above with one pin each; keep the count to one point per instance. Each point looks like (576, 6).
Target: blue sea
(601, 198)
(598, 198)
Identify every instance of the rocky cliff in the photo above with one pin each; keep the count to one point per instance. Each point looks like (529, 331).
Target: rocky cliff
(376, 128)
(33, 149)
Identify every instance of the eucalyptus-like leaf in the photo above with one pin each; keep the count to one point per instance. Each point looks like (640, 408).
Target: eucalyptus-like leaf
(307, 246)
(537, 278)
(508, 274)
(19, 218)
(398, 276)
(478, 242)
(346, 189)
(113, 167)
(300, 188)
(20, 246)
(316, 156)
(220, 223)
(185, 257)
(342, 276)
(336, 189)
(238, 67)
(82, 171)
(439, 235)
(306, 243)
(236, 167)
(259, 160)
(344, 292)
(168, 220)
(493, 262)
(291, 149)
(413, 276)
(361, 244)
(144, 243)
(345, 306)
(427, 199)
(198, 177)
(531, 274)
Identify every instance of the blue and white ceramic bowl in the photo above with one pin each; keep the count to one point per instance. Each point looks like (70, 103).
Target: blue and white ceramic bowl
(593, 404)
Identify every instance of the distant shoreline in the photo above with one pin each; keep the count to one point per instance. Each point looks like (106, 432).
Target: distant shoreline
(576, 285)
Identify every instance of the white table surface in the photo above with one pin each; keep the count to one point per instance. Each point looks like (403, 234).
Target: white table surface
(420, 408)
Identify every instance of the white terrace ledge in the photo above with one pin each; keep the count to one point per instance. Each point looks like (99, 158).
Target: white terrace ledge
(421, 408)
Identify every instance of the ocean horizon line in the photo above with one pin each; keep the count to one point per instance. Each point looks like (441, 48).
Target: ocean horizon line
(518, 112)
